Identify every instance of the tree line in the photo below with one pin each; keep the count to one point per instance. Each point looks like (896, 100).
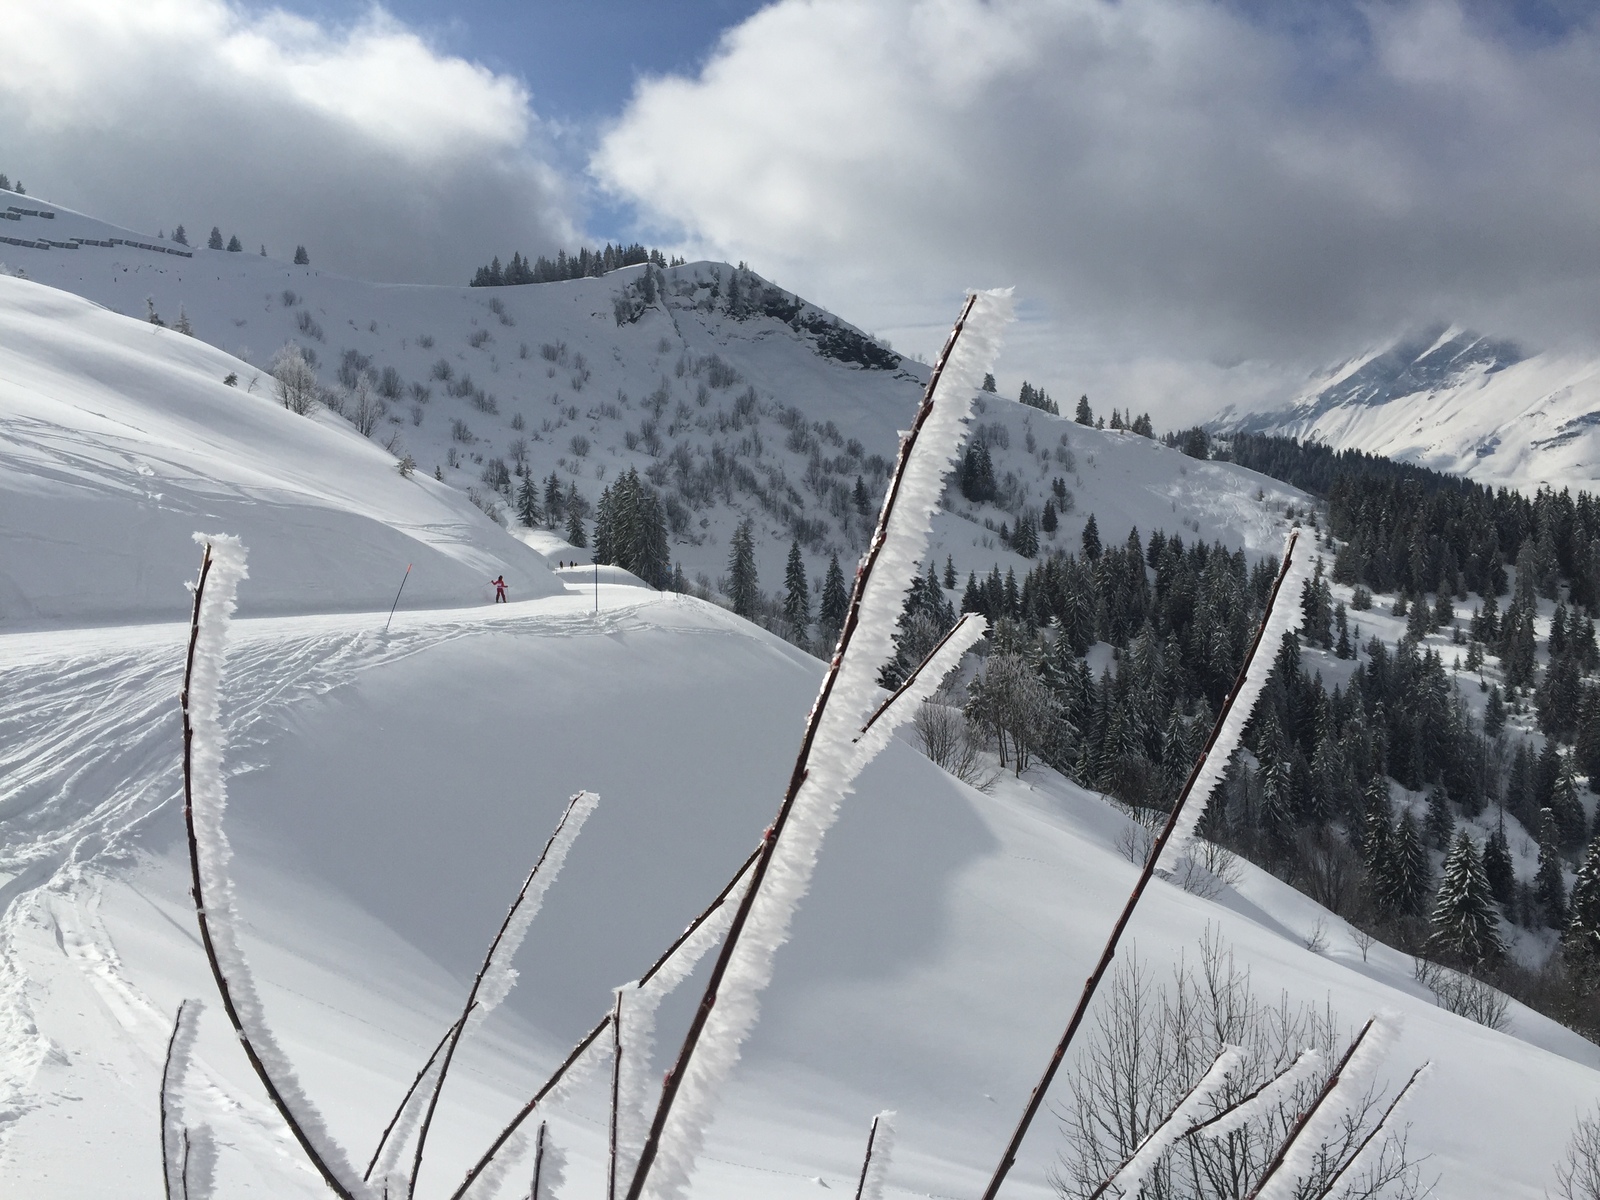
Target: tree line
(585, 264)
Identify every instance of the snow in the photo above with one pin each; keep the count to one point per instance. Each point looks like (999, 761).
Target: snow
(387, 792)
(1532, 423)
(118, 439)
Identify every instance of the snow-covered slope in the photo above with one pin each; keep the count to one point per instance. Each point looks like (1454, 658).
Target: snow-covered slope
(118, 439)
(1454, 401)
(389, 790)
(397, 788)
(767, 416)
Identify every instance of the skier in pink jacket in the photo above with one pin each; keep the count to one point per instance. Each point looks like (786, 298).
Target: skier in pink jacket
(500, 590)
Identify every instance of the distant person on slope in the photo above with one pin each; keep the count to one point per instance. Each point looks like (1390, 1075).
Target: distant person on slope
(500, 590)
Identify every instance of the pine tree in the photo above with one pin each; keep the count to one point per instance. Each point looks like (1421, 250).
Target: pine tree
(214, 242)
(575, 534)
(1084, 414)
(235, 245)
(1441, 823)
(1025, 540)
(1091, 539)
(1376, 839)
(1571, 822)
(797, 592)
(1581, 938)
(528, 503)
(179, 236)
(1549, 883)
(835, 600)
(182, 323)
(742, 584)
(1408, 866)
(1497, 864)
(554, 499)
(1465, 924)
(949, 573)
(1047, 519)
(301, 258)
(860, 498)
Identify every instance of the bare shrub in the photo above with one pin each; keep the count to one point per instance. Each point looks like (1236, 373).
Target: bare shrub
(364, 410)
(425, 341)
(308, 326)
(1465, 995)
(478, 339)
(555, 352)
(1578, 1174)
(580, 445)
(1147, 1046)
(294, 380)
(943, 735)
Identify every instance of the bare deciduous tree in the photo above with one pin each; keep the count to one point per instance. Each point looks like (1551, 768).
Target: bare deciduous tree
(1578, 1175)
(295, 383)
(1011, 702)
(1149, 1045)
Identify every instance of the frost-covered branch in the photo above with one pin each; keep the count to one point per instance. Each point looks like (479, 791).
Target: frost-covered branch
(1262, 1100)
(875, 1163)
(174, 1128)
(497, 976)
(673, 966)
(1362, 1150)
(1209, 765)
(1347, 1084)
(1129, 1177)
(826, 765)
(204, 801)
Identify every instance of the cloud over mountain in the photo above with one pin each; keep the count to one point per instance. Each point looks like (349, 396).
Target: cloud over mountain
(386, 157)
(1179, 182)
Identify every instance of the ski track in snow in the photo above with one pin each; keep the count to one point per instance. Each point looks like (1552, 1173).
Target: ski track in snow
(89, 738)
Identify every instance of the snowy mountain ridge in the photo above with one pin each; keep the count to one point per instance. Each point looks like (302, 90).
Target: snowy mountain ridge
(1455, 401)
(391, 784)
(733, 398)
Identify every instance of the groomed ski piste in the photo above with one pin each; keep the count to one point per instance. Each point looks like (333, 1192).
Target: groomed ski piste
(390, 789)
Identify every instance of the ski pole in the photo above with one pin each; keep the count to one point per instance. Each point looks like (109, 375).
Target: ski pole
(396, 603)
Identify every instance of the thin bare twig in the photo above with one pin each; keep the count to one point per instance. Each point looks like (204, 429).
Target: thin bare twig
(616, 1094)
(410, 1091)
(453, 1039)
(1366, 1141)
(588, 1039)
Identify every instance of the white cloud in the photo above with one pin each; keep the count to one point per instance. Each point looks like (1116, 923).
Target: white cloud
(387, 158)
(1179, 186)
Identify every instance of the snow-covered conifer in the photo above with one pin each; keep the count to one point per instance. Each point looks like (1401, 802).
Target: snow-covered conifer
(1465, 923)
(1581, 938)
(797, 593)
(742, 586)
(1550, 883)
